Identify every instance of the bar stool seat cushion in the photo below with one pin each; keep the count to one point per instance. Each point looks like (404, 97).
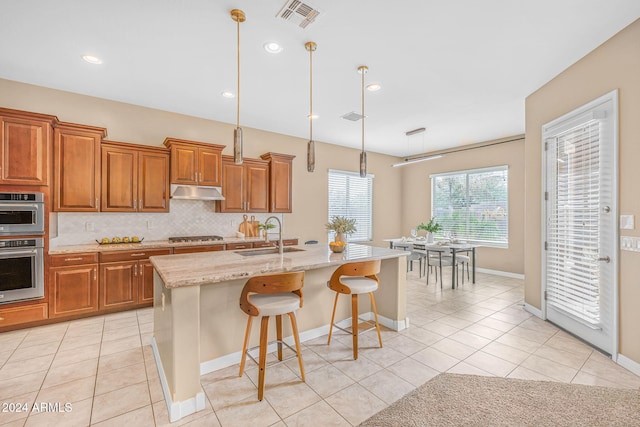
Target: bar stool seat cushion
(359, 285)
(275, 304)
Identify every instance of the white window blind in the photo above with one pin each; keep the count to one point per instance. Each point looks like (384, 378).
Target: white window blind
(473, 205)
(573, 238)
(352, 197)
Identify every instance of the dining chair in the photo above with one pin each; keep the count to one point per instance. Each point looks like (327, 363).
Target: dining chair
(438, 259)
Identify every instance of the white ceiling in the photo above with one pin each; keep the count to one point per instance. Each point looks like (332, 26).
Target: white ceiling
(461, 69)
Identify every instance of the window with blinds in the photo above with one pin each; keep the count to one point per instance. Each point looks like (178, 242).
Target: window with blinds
(472, 205)
(573, 238)
(352, 197)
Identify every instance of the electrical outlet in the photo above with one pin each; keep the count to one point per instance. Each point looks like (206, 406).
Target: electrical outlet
(149, 224)
(233, 223)
(89, 226)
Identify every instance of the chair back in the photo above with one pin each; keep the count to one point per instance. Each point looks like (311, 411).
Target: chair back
(271, 284)
(369, 269)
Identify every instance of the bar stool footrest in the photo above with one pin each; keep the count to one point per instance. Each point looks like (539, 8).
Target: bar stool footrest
(285, 359)
(370, 323)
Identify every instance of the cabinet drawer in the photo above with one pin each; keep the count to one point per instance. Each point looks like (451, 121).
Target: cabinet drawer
(289, 242)
(234, 246)
(73, 259)
(24, 314)
(264, 244)
(192, 249)
(132, 255)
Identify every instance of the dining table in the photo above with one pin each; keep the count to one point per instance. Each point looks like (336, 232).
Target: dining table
(440, 246)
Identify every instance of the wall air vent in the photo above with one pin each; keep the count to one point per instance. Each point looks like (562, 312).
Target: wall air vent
(298, 12)
(352, 116)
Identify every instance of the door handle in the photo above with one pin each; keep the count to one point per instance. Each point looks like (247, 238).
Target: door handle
(605, 259)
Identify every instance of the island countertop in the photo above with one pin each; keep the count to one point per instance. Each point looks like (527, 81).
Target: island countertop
(205, 268)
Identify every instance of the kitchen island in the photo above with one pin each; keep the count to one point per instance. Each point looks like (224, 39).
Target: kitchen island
(199, 327)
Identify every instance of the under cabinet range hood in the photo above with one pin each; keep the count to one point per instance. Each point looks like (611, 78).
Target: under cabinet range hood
(195, 192)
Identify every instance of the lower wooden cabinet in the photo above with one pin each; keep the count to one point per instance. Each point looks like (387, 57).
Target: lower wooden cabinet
(126, 278)
(236, 246)
(192, 249)
(23, 314)
(73, 287)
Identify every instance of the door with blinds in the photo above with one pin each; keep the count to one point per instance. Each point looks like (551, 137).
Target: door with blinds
(580, 247)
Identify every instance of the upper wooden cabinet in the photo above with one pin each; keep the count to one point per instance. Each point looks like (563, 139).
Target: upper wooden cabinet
(76, 167)
(25, 140)
(245, 187)
(195, 163)
(135, 178)
(280, 180)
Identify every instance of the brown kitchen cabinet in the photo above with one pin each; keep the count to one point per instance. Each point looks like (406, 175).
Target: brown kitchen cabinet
(193, 249)
(195, 163)
(264, 244)
(73, 284)
(280, 182)
(25, 140)
(23, 314)
(134, 178)
(126, 278)
(76, 167)
(236, 246)
(245, 187)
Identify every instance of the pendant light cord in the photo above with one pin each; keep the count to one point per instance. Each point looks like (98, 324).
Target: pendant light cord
(363, 73)
(238, 104)
(311, 94)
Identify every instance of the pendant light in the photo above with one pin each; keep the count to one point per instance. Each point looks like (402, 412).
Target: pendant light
(311, 145)
(363, 155)
(238, 16)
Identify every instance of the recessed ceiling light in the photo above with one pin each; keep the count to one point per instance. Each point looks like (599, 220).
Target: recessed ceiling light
(372, 87)
(272, 47)
(227, 94)
(91, 59)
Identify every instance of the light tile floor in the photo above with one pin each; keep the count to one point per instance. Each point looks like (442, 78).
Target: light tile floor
(104, 366)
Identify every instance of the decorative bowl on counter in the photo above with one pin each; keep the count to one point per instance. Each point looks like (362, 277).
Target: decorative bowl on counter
(337, 247)
(117, 240)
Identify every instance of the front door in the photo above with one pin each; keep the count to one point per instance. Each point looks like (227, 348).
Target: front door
(580, 257)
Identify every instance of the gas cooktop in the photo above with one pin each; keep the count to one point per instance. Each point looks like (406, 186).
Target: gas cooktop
(194, 239)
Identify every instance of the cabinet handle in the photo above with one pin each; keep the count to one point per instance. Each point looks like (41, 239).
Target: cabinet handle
(140, 254)
(1, 319)
(97, 202)
(135, 205)
(135, 270)
(95, 274)
(73, 259)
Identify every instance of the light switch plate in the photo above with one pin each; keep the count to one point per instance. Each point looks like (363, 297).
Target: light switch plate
(626, 222)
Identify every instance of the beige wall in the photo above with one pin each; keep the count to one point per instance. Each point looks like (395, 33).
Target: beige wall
(130, 123)
(416, 188)
(615, 64)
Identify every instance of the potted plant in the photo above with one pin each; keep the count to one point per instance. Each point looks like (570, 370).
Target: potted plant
(340, 225)
(431, 227)
(265, 229)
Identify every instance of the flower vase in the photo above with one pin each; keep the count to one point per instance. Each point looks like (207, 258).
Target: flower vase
(429, 237)
(339, 237)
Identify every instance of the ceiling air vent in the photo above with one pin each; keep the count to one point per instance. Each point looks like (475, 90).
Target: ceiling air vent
(298, 12)
(353, 116)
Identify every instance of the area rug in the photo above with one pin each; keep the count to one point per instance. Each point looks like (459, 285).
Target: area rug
(469, 400)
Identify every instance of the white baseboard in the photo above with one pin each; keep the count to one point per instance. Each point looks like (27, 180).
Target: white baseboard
(500, 273)
(176, 410)
(531, 309)
(629, 364)
(234, 358)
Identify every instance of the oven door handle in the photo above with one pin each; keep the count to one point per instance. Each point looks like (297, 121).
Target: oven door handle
(7, 254)
(9, 206)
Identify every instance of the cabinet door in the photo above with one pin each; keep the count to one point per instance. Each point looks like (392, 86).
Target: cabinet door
(210, 167)
(233, 187)
(153, 182)
(119, 179)
(118, 284)
(24, 151)
(74, 290)
(145, 282)
(184, 165)
(76, 171)
(257, 175)
(280, 188)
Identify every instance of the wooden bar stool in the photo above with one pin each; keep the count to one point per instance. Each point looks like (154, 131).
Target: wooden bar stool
(355, 278)
(265, 296)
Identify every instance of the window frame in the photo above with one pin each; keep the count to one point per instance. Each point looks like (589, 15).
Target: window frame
(369, 231)
(466, 173)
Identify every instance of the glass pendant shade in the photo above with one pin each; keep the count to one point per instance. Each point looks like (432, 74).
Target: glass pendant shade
(363, 69)
(311, 156)
(363, 164)
(237, 146)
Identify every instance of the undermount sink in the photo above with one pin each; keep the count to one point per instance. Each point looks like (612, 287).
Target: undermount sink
(267, 251)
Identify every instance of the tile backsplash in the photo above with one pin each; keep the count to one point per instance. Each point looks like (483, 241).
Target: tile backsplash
(186, 218)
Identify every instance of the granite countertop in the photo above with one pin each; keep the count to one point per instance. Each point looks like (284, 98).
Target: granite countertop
(205, 268)
(146, 244)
